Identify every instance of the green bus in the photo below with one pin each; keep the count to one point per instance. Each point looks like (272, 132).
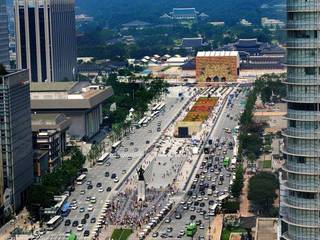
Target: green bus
(191, 230)
(226, 162)
(72, 236)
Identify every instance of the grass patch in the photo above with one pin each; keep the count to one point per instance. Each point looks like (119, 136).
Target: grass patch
(121, 234)
(266, 164)
(228, 230)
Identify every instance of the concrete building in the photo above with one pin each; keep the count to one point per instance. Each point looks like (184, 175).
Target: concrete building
(299, 189)
(46, 39)
(4, 35)
(217, 66)
(49, 134)
(79, 101)
(16, 164)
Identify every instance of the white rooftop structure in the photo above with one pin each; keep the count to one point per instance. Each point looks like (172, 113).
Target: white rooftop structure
(218, 54)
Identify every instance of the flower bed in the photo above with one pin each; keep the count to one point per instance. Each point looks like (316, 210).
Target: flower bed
(201, 110)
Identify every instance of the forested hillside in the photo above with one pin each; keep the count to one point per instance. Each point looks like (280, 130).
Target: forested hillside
(116, 12)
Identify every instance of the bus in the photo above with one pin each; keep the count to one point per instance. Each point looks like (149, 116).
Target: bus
(65, 210)
(72, 237)
(191, 230)
(115, 146)
(54, 222)
(104, 157)
(213, 209)
(139, 125)
(226, 162)
(81, 179)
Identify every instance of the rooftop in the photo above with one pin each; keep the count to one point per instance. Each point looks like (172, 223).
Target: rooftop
(136, 23)
(49, 121)
(218, 54)
(184, 11)
(52, 87)
(192, 42)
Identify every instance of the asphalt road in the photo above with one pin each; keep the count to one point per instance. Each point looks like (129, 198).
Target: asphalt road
(119, 166)
(179, 225)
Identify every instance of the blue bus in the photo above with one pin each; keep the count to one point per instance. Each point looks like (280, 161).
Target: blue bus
(65, 210)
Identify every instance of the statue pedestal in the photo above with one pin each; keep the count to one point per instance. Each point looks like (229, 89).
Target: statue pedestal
(141, 191)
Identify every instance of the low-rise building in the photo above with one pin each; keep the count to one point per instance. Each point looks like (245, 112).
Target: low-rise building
(192, 43)
(80, 101)
(49, 134)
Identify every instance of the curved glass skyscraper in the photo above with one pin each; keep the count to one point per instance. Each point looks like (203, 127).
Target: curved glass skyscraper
(300, 184)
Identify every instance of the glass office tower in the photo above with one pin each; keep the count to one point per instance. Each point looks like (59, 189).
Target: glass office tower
(300, 182)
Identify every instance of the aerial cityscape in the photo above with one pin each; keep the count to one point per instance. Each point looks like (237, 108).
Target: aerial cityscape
(168, 119)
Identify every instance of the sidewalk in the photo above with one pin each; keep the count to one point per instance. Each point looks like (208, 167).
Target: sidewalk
(20, 222)
(244, 202)
(216, 228)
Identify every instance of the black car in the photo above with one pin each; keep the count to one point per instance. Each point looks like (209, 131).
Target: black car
(86, 216)
(108, 189)
(196, 203)
(67, 222)
(75, 223)
(99, 184)
(93, 220)
(192, 217)
(190, 193)
(113, 176)
(89, 187)
(83, 221)
(202, 204)
(86, 233)
(198, 222)
(106, 174)
(211, 202)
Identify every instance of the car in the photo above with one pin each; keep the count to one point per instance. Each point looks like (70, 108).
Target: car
(93, 220)
(80, 228)
(164, 235)
(202, 204)
(168, 220)
(90, 208)
(178, 216)
(108, 189)
(87, 215)
(124, 171)
(155, 234)
(193, 217)
(83, 221)
(89, 187)
(99, 184)
(93, 200)
(74, 207)
(67, 222)
(126, 150)
(101, 189)
(89, 182)
(74, 201)
(116, 180)
(198, 222)
(108, 164)
(113, 176)
(118, 156)
(81, 209)
(129, 158)
(169, 229)
(131, 143)
(67, 234)
(75, 223)
(106, 174)
(88, 198)
(82, 192)
(147, 142)
(135, 149)
(86, 233)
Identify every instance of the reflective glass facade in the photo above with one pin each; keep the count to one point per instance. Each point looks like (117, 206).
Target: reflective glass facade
(300, 182)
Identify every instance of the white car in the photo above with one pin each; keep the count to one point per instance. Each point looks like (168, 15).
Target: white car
(74, 207)
(100, 189)
(80, 228)
(90, 208)
(93, 200)
(116, 180)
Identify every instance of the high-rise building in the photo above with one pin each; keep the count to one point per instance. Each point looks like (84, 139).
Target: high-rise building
(16, 158)
(46, 39)
(300, 181)
(4, 35)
